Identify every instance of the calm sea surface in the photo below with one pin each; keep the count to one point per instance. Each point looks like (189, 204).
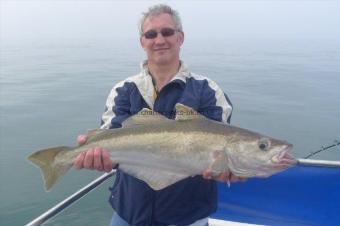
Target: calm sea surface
(51, 91)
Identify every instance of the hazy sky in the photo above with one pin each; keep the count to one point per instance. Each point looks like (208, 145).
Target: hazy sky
(227, 19)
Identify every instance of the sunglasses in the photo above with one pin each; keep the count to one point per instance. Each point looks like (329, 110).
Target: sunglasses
(165, 32)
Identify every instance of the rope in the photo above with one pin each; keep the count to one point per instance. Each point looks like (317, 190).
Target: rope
(336, 143)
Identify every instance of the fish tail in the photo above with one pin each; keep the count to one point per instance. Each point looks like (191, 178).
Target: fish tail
(51, 169)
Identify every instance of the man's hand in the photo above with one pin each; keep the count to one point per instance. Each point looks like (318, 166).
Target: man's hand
(226, 177)
(94, 158)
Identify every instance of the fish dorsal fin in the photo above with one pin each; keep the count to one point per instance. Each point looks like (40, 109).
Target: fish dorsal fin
(184, 112)
(144, 117)
(94, 132)
(97, 134)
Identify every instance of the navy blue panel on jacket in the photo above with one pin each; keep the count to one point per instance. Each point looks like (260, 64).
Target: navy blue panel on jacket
(188, 200)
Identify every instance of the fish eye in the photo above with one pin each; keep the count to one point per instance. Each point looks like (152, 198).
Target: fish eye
(264, 144)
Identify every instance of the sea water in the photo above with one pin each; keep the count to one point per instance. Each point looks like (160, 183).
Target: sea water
(53, 90)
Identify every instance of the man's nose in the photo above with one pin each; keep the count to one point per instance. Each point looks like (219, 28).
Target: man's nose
(159, 39)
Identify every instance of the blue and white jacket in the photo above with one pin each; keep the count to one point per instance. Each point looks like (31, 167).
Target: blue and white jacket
(188, 200)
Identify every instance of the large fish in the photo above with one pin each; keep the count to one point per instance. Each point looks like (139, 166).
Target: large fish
(161, 151)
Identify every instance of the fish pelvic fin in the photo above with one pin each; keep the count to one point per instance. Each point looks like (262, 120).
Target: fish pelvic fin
(51, 169)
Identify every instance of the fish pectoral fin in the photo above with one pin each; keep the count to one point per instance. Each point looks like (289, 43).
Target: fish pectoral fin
(184, 112)
(220, 162)
(155, 178)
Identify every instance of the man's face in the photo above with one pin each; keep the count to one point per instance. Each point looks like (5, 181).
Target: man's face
(161, 50)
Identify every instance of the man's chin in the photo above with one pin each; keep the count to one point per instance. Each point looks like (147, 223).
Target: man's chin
(162, 61)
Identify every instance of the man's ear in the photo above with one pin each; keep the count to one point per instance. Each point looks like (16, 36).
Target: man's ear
(141, 42)
(181, 37)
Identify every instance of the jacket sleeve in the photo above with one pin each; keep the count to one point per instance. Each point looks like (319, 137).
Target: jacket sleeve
(214, 103)
(117, 107)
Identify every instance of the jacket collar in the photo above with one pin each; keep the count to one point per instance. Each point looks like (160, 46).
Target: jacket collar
(145, 85)
(182, 74)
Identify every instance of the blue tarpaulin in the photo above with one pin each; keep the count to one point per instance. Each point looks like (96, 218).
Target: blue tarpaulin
(302, 195)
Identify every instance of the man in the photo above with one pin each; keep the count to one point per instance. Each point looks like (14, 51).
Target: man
(164, 80)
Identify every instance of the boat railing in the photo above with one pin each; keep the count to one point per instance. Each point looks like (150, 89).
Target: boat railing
(61, 206)
(95, 183)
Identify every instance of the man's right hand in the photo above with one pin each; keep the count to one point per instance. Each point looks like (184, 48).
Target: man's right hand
(94, 158)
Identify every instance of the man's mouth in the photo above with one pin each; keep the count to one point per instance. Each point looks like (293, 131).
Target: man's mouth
(161, 49)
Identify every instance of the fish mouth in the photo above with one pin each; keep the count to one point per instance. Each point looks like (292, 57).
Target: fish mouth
(284, 159)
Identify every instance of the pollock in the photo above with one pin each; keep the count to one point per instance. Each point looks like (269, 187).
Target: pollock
(161, 151)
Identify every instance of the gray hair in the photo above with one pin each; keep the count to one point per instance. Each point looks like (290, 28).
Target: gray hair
(156, 10)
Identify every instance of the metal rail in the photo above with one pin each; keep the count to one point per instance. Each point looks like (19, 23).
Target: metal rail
(70, 200)
(314, 162)
(94, 184)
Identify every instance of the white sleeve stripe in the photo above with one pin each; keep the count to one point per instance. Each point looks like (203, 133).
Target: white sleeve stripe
(108, 115)
(221, 100)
